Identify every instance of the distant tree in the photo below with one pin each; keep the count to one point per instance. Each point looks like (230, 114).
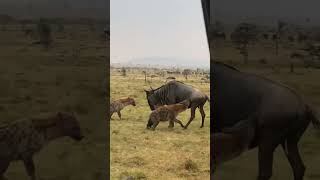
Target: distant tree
(45, 33)
(124, 72)
(186, 73)
(280, 30)
(145, 76)
(242, 36)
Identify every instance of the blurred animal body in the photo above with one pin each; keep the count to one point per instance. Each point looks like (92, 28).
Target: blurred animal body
(22, 139)
(118, 105)
(167, 113)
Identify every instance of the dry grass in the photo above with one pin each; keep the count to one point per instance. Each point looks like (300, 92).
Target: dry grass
(159, 154)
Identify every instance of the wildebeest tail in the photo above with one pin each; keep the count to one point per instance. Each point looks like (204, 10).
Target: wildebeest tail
(311, 114)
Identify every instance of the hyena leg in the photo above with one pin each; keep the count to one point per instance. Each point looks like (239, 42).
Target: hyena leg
(178, 121)
(171, 123)
(29, 165)
(193, 113)
(4, 164)
(119, 114)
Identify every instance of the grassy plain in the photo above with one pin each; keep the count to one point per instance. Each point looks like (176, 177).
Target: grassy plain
(163, 153)
(37, 80)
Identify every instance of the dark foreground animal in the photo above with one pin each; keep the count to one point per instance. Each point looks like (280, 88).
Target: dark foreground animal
(22, 139)
(167, 113)
(118, 105)
(174, 92)
(276, 113)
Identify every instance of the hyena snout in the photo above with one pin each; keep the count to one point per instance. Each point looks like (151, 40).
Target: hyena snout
(149, 124)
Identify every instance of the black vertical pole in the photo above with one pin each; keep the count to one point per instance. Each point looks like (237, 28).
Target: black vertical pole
(206, 16)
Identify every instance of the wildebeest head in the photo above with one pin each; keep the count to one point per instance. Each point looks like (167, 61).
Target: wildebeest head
(70, 126)
(152, 101)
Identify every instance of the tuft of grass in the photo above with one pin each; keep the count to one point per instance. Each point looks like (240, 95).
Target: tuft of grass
(191, 166)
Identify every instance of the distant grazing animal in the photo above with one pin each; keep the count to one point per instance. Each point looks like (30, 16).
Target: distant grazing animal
(219, 35)
(167, 113)
(174, 92)
(118, 105)
(276, 114)
(20, 140)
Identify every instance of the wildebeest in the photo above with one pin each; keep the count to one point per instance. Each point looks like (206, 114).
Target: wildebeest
(20, 140)
(276, 113)
(174, 92)
(118, 105)
(167, 113)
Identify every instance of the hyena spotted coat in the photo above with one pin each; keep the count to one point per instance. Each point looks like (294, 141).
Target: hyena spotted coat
(20, 140)
(118, 105)
(167, 113)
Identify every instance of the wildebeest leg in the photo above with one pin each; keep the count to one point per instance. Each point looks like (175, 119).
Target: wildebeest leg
(295, 160)
(119, 114)
(178, 121)
(203, 115)
(29, 165)
(193, 112)
(4, 164)
(266, 146)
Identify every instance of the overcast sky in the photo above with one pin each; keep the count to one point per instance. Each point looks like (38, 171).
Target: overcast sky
(158, 28)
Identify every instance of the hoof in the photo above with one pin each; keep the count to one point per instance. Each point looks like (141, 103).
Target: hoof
(201, 126)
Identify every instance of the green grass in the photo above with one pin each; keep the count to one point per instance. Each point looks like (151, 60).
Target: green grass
(163, 153)
(35, 80)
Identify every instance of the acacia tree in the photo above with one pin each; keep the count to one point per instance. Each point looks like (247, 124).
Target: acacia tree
(242, 36)
(186, 73)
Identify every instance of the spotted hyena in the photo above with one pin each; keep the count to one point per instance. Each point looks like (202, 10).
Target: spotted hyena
(20, 140)
(167, 113)
(118, 105)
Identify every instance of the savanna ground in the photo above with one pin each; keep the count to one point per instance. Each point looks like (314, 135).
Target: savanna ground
(36, 80)
(304, 81)
(163, 153)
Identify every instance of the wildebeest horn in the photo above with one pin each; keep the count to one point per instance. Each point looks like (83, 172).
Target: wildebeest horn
(151, 88)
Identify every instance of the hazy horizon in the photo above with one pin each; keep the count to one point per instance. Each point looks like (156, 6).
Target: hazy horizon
(170, 29)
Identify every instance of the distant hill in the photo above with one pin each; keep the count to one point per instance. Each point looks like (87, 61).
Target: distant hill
(165, 62)
(56, 8)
